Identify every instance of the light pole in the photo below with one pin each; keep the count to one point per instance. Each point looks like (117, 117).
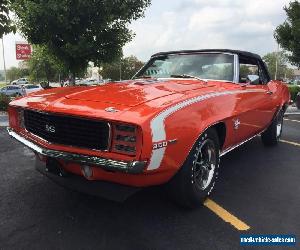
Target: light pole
(4, 61)
(276, 63)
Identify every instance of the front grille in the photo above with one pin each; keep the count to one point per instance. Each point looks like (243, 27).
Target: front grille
(68, 130)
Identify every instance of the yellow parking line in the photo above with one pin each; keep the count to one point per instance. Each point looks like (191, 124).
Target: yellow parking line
(291, 142)
(225, 215)
(291, 120)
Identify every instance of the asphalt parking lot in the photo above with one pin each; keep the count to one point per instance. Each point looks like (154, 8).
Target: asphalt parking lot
(258, 186)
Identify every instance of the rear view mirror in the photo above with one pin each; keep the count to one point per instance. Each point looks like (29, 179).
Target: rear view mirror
(253, 79)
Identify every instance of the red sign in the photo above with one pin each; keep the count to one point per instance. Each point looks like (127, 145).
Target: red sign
(23, 51)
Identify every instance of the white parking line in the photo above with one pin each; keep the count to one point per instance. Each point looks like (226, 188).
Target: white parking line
(291, 143)
(292, 113)
(291, 120)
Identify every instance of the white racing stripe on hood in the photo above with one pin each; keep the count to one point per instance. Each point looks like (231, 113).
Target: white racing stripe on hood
(158, 123)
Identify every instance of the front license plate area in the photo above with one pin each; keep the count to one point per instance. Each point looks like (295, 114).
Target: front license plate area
(53, 166)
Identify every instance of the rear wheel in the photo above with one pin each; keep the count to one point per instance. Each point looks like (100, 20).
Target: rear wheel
(196, 178)
(273, 133)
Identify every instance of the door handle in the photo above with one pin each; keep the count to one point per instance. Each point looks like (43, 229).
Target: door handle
(269, 92)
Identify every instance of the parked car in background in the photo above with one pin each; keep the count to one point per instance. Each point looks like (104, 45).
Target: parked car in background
(106, 80)
(89, 82)
(67, 82)
(20, 81)
(295, 82)
(12, 90)
(169, 125)
(30, 88)
(298, 100)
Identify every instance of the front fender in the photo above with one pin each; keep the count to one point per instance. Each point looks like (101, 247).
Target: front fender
(174, 131)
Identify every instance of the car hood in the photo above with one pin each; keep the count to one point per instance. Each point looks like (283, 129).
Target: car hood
(127, 93)
(123, 96)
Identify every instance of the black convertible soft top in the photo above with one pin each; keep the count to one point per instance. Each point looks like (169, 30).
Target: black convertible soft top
(238, 52)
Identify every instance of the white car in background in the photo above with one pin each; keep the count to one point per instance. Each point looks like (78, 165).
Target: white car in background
(20, 81)
(89, 82)
(30, 88)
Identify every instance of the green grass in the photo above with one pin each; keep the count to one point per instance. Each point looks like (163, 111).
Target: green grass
(2, 84)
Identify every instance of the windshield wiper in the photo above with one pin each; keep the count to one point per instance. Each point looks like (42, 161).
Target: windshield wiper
(187, 76)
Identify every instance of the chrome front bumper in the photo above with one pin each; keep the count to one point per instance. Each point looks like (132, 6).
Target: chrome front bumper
(107, 190)
(132, 167)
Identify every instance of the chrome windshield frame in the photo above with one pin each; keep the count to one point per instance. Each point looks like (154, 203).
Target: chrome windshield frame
(235, 65)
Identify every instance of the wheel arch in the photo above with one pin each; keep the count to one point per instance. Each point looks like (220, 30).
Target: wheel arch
(220, 127)
(221, 131)
(284, 106)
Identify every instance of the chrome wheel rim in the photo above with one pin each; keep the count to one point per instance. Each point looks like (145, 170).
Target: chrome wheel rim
(204, 164)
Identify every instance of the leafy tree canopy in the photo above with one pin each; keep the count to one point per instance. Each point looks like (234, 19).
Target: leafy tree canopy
(45, 66)
(282, 69)
(128, 65)
(288, 33)
(79, 31)
(6, 25)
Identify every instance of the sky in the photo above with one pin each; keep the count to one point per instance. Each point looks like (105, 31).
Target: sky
(195, 24)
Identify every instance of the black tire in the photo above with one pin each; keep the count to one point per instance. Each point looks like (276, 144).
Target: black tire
(188, 187)
(271, 136)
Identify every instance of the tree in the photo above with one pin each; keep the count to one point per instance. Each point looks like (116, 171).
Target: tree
(288, 33)
(14, 73)
(6, 25)
(79, 31)
(245, 70)
(282, 69)
(129, 66)
(45, 66)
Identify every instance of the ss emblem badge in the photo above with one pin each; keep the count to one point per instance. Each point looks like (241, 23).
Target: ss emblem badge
(50, 128)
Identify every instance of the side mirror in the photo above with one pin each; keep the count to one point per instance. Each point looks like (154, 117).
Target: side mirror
(253, 79)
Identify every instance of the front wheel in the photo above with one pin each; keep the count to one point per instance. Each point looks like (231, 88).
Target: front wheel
(196, 178)
(273, 133)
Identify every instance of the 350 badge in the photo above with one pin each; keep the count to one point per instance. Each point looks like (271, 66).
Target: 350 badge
(163, 144)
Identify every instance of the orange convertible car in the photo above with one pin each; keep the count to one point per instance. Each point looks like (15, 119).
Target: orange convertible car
(169, 125)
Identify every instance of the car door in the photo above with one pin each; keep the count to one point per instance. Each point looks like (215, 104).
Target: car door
(255, 106)
(266, 106)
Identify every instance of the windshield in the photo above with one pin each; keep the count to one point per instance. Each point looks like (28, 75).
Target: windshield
(215, 66)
